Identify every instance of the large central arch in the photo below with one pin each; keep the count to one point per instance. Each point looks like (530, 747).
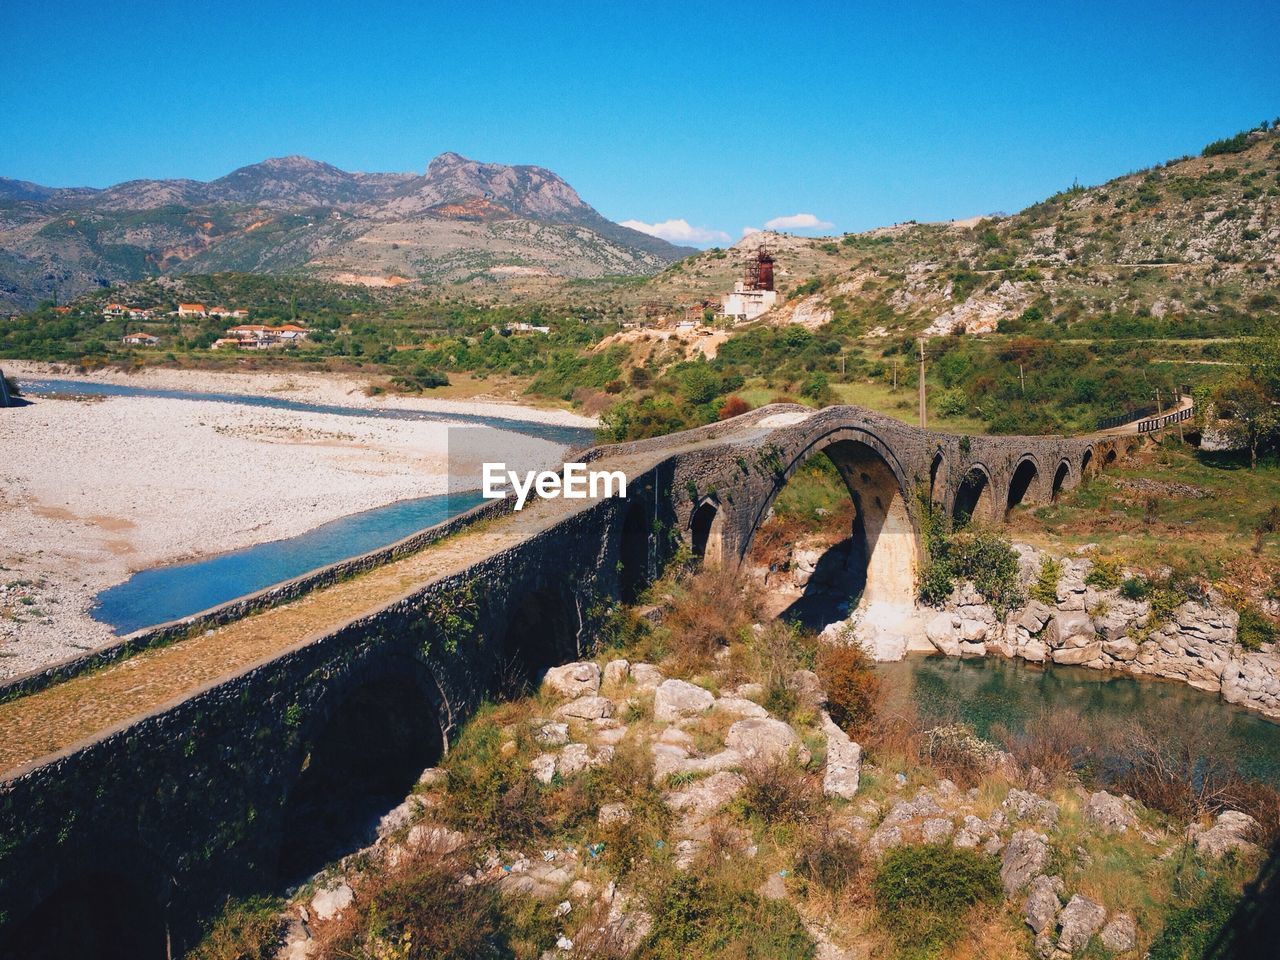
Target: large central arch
(884, 534)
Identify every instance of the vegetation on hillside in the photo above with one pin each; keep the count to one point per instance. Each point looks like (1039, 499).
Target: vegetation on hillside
(781, 861)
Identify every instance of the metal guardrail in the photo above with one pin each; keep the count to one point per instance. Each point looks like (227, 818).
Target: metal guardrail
(1106, 423)
(1159, 423)
(1139, 413)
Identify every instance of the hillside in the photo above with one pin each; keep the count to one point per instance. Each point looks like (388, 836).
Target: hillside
(460, 220)
(1192, 243)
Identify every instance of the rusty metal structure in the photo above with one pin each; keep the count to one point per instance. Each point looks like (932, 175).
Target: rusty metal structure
(759, 271)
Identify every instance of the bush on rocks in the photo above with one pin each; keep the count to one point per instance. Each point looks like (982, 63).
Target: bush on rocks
(924, 891)
(246, 930)
(417, 910)
(777, 791)
(852, 685)
(829, 860)
(719, 916)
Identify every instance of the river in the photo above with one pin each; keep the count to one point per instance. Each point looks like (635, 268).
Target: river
(991, 693)
(161, 594)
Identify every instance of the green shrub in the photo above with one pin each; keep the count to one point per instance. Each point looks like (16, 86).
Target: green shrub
(1045, 587)
(697, 917)
(1135, 588)
(245, 930)
(986, 559)
(923, 892)
(1237, 144)
(1106, 573)
(1190, 931)
(1255, 629)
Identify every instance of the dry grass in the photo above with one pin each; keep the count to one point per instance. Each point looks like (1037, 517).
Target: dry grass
(416, 909)
(705, 613)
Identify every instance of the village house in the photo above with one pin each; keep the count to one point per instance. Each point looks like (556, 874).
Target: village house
(140, 339)
(289, 332)
(525, 328)
(192, 310)
(259, 336)
(114, 310)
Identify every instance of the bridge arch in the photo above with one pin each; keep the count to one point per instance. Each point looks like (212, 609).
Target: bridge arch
(1060, 477)
(362, 754)
(633, 552)
(1022, 484)
(110, 902)
(1086, 462)
(540, 632)
(937, 475)
(884, 535)
(973, 494)
(706, 531)
(1110, 456)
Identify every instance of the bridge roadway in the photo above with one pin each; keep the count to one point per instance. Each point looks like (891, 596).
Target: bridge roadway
(57, 718)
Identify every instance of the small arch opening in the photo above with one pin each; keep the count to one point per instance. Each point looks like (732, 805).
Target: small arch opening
(1059, 478)
(364, 761)
(1023, 477)
(99, 915)
(634, 553)
(971, 496)
(539, 635)
(704, 532)
(935, 469)
(1085, 461)
(1109, 458)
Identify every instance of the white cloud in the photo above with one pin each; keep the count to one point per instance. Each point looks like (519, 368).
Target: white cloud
(798, 221)
(747, 231)
(678, 231)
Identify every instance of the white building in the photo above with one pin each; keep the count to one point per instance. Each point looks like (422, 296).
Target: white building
(744, 304)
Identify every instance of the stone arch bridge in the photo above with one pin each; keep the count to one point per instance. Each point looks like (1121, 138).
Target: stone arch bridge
(238, 751)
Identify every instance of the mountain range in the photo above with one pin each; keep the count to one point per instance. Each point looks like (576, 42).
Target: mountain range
(459, 221)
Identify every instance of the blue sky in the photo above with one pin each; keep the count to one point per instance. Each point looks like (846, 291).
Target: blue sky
(719, 115)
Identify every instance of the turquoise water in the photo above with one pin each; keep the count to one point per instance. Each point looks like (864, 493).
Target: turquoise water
(994, 693)
(167, 593)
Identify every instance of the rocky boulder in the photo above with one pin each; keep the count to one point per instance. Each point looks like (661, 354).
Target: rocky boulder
(1231, 831)
(766, 739)
(1024, 858)
(844, 762)
(675, 699)
(1113, 814)
(1080, 919)
(1120, 935)
(586, 708)
(573, 680)
(1044, 902)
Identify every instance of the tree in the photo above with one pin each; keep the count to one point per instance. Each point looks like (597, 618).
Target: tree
(1254, 417)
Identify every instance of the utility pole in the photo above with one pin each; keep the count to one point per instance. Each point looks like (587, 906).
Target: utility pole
(924, 420)
(1159, 405)
(1022, 380)
(895, 374)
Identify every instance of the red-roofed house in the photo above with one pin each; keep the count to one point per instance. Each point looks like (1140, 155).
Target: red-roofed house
(141, 340)
(192, 310)
(114, 310)
(290, 331)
